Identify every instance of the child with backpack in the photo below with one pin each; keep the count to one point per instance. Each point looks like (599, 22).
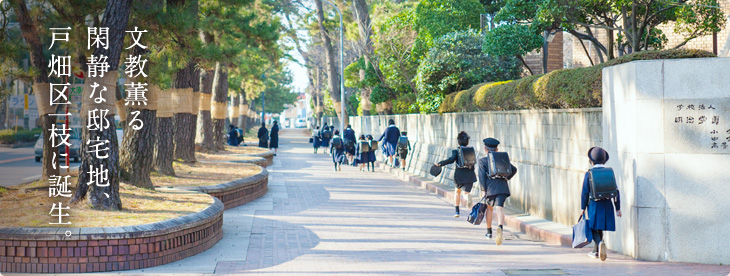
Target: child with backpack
(363, 152)
(464, 177)
(600, 196)
(326, 136)
(337, 150)
(494, 171)
(316, 139)
(403, 147)
(371, 155)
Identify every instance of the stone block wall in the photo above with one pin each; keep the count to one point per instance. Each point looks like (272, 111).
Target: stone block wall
(548, 147)
(666, 126)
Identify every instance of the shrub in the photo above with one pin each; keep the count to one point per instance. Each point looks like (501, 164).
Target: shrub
(567, 88)
(10, 136)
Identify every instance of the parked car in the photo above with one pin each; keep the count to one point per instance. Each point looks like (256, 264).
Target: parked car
(74, 140)
(300, 123)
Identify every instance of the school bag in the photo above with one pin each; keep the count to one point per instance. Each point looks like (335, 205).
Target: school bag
(327, 134)
(364, 146)
(499, 165)
(403, 143)
(467, 158)
(602, 183)
(349, 144)
(337, 142)
(373, 145)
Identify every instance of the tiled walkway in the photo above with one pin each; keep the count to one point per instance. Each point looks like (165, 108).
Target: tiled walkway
(317, 221)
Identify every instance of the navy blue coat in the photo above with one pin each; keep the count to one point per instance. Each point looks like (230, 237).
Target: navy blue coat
(461, 175)
(274, 141)
(390, 137)
(363, 157)
(263, 137)
(496, 186)
(233, 137)
(600, 213)
(338, 155)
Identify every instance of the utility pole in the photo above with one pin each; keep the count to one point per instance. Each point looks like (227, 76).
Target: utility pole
(342, 69)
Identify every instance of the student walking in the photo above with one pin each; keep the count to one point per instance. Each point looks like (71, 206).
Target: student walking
(316, 140)
(232, 136)
(371, 154)
(464, 177)
(263, 136)
(350, 139)
(363, 152)
(493, 176)
(326, 136)
(600, 215)
(274, 141)
(337, 150)
(390, 140)
(404, 146)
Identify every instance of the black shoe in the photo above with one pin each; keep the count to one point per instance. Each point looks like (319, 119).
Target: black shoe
(488, 235)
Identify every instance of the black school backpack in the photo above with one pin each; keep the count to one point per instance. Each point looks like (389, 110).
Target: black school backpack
(327, 134)
(467, 158)
(499, 165)
(337, 142)
(364, 146)
(602, 183)
(402, 143)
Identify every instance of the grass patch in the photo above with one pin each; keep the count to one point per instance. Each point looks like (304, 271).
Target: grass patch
(204, 174)
(31, 206)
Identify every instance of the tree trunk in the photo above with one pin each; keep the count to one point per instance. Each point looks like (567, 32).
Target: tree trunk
(137, 158)
(205, 125)
(332, 73)
(35, 49)
(243, 111)
(234, 115)
(184, 123)
(218, 110)
(105, 197)
(165, 147)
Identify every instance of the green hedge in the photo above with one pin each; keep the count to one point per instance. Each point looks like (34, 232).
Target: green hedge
(10, 136)
(566, 88)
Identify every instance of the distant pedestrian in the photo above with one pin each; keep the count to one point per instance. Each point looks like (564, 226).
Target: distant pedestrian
(371, 154)
(600, 215)
(232, 136)
(240, 135)
(465, 159)
(363, 152)
(404, 146)
(317, 140)
(350, 139)
(326, 136)
(495, 189)
(263, 136)
(274, 138)
(390, 140)
(337, 150)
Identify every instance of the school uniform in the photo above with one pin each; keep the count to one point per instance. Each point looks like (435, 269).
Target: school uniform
(464, 178)
(600, 213)
(362, 157)
(371, 153)
(390, 140)
(350, 138)
(263, 137)
(338, 155)
(497, 189)
(274, 142)
(403, 152)
(316, 140)
(325, 141)
(233, 137)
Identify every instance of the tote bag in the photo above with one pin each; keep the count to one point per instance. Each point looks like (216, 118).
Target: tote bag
(582, 236)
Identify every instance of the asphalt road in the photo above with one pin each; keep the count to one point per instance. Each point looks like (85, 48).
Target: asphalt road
(18, 166)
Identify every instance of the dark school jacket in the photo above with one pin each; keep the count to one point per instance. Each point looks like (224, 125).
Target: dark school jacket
(391, 135)
(600, 213)
(497, 186)
(461, 175)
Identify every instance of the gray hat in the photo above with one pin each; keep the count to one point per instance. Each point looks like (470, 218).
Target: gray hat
(491, 142)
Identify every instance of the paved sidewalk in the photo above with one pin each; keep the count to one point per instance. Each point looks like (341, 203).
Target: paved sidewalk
(315, 221)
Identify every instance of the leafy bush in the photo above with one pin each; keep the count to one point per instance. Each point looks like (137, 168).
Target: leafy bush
(455, 62)
(567, 88)
(435, 18)
(10, 136)
(405, 104)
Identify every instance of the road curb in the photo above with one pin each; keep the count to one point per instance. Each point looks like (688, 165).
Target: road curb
(531, 230)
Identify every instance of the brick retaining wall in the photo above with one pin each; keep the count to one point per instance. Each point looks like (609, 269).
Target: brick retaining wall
(238, 192)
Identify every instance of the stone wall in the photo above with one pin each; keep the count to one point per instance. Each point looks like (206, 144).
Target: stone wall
(548, 147)
(666, 126)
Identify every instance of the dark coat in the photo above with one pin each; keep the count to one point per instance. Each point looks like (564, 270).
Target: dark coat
(233, 137)
(390, 139)
(496, 186)
(600, 213)
(349, 137)
(274, 135)
(325, 142)
(461, 175)
(371, 154)
(263, 137)
(338, 155)
(317, 140)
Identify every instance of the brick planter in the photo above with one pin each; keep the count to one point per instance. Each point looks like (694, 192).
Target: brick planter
(237, 192)
(49, 250)
(269, 156)
(260, 161)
